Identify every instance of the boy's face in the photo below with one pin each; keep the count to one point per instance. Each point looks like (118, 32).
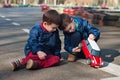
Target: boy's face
(70, 27)
(50, 27)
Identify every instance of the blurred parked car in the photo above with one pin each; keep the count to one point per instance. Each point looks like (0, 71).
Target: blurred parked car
(44, 7)
(7, 5)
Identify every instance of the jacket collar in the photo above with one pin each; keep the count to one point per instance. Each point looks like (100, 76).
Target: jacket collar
(43, 27)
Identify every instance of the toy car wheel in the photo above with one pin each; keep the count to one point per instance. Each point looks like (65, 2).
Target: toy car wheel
(88, 61)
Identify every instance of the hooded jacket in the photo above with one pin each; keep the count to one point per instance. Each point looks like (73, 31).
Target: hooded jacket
(82, 27)
(41, 40)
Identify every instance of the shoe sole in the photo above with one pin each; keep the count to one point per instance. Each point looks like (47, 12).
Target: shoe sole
(12, 66)
(71, 58)
(29, 64)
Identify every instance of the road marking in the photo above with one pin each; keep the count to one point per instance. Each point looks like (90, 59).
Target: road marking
(8, 19)
(26, 30)
(16, 24)
(3, 16)
(111, 68)
(107, 67)
(113, 78)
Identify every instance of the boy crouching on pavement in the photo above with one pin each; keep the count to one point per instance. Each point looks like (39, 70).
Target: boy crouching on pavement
(43, 45)
(76, 29)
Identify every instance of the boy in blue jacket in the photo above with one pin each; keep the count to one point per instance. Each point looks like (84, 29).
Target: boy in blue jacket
(76, 29)
(43, 45)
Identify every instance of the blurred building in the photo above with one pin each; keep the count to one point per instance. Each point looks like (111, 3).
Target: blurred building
(112, 3)
(21, 1)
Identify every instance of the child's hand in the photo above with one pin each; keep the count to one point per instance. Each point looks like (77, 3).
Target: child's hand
(41, 55)
(62, 59)
(76, 49)
(91, 36)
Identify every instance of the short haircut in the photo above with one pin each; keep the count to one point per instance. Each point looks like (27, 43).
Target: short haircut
(65, 21)
(52, 16)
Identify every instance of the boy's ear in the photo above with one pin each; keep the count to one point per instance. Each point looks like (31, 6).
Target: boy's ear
(45, 23)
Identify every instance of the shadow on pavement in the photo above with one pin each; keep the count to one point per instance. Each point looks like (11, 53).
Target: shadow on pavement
(108, 55)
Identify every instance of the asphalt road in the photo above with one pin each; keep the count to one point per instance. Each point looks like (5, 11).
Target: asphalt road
(14, 22)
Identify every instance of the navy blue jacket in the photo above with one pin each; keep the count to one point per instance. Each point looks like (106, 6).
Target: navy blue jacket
(41, 40)
(83, 29)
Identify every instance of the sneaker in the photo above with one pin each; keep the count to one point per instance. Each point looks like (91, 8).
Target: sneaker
(16, 65)
(71, 58)
(31, 64)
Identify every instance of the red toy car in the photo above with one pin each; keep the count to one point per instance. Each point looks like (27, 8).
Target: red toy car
(92, 53)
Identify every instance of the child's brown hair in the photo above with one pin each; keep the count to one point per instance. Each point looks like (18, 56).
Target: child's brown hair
(65, 20)
(52, 16)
